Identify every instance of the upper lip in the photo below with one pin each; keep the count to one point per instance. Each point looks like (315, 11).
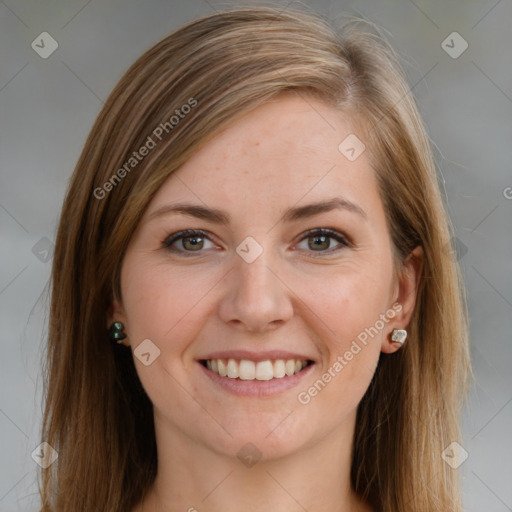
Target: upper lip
(255, 356)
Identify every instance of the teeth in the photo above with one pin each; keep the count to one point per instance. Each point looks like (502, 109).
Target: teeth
(232, 369)
(249, 370)
(264, 370)
(290, 367)
(221, 368)
(279, 369)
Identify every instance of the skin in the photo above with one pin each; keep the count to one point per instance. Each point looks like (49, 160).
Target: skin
(293, 297)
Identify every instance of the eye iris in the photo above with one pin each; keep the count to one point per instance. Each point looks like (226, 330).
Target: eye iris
(320, 242)
(196, 242)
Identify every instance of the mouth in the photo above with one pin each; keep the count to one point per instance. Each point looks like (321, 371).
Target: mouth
(249, 370)
(258, 374)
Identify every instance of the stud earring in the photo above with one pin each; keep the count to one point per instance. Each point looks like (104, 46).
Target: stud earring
(116, 332)
(398, 336)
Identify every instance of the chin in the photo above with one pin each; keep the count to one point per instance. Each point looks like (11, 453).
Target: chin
(266, 436)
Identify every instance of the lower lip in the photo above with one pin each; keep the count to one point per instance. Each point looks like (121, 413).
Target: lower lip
(257, 387)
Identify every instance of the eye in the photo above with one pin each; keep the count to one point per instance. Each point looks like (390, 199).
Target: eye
(319, 240)
(193, 241)
(190, 240)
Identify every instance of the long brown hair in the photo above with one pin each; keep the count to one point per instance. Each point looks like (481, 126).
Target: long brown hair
(97, 416)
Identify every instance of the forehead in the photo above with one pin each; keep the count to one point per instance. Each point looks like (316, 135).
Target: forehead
(277, 155)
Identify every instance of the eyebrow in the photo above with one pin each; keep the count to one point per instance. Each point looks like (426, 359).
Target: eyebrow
(293, 214)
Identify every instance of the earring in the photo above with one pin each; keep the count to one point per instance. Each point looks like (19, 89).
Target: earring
(398, 336)
(116, 332)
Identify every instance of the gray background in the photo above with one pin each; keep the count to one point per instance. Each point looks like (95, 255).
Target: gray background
(48, 107)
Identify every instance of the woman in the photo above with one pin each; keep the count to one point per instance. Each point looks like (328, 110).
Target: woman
(253, 301)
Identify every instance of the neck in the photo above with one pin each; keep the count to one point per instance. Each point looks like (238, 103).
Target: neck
(193, 477)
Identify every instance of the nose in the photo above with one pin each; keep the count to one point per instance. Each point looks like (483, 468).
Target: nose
(258, 299)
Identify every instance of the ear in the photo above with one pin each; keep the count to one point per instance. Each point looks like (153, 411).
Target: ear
(404, 297)
(115, 313)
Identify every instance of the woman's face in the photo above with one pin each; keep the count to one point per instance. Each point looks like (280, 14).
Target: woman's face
(261, 284)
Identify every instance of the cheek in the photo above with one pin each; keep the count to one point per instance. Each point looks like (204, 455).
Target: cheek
(166, 306)
(349, 302)
(162, 303)
(350, 306)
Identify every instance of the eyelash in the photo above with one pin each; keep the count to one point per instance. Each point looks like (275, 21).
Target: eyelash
(191, 233)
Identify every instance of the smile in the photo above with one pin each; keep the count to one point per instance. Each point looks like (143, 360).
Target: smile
(245, 369)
